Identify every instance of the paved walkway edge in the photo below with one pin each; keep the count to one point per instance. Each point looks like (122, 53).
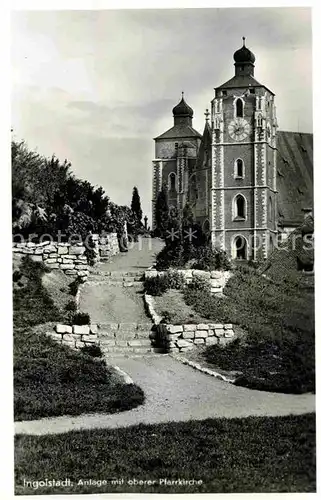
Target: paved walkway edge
(202, 369)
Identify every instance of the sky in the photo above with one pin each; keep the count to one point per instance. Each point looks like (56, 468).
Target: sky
(95, 87)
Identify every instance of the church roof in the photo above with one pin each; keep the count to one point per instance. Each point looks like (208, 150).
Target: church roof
(241, 81)
(180, 131)
(183, 109)
(294, 175)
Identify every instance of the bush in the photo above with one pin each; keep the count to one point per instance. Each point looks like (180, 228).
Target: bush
(200, 284)
(160, 284)
(210, 259)
(81, 318)
(71, 306)
(92, 350)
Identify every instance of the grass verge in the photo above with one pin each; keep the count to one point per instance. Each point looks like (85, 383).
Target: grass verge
(255, 454)
(51, 379)
(278, 351)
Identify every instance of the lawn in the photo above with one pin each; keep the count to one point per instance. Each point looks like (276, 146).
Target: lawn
(255, 454)
(278, 351)
(172, 307)
(51, 379)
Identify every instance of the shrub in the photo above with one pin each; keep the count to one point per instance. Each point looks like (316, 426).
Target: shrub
(200, 284)
(81, 318)
(210, 259)
(92, 350)
(160, 284)
(16, 276)
(71, 306)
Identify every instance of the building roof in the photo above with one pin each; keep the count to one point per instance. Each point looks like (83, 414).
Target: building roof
(242, 81)
(180, 131)
(183, 109)
(294, 181)
(244, 55)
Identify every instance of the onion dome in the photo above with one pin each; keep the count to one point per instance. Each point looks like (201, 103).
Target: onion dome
(244, 55)
(183, 109)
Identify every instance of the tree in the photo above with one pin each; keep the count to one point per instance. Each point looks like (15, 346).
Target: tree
(136, 206)
(162, 212)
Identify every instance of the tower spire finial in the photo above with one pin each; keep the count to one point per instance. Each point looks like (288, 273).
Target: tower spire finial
(182, 95)
(243, 38)
(207, 114)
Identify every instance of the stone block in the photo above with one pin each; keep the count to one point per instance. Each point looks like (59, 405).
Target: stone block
(229, 333)
(202, 274)
(89, 338)
(82, 273)
(228, 326)
(67, 266)
(188, 335)
(216, 274)
(83, 329)
(211, 341)
(94, 329)
(213, 326)
(215, 283)
(130, 335)
(202, 326)
(199, 341)
(201, 334)
(63, 328)
(223, 341)
(53, 265)
(36, 258)
(50, 249)
(81, 267)
(73, 250)
(189, 328)
(31, 244)
(39, 251)
(219, 332)
(69, 337)
(150, 274)
(174, 350)
(210, 333)
(62, 250)
(80, 258)
(109, 327)
(68, 258)
(174, 328)
(183, 343)
(186, 348)
(173, 336)
(172, 344)
(55, 336)
(51, 261)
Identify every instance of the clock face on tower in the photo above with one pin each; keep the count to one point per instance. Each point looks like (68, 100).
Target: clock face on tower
(239, 129)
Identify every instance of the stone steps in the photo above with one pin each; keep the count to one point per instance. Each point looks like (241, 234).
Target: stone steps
(128, 339)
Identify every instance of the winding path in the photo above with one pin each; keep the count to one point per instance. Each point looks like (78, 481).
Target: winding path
(174, 391)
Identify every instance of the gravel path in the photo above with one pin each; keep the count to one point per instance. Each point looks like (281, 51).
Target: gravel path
(176, 392)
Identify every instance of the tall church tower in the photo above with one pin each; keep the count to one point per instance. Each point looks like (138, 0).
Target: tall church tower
(244, 163)
(175, 157)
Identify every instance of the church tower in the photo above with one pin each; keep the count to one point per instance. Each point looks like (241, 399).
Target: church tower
(175, 157)
(244, 129)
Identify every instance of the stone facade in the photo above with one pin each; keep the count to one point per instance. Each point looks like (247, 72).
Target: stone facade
(203, 169)
(216, 279)
(71, 259)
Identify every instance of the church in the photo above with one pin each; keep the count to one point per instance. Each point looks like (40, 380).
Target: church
(247, 182)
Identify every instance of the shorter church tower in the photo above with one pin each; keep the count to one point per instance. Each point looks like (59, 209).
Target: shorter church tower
(244, 163)
(175, 156)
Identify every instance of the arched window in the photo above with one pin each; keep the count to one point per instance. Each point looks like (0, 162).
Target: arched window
(239, 207)
(239, 108)
(172, 181)
(259, 121)
(239, 168)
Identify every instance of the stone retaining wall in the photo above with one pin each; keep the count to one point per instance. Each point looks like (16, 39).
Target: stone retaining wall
(69, 258)
(216, 279)
(181, 338)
